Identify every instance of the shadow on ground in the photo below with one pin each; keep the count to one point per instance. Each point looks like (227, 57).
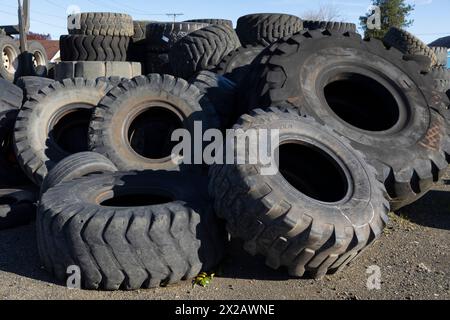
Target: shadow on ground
(432, 211)
(19, 254)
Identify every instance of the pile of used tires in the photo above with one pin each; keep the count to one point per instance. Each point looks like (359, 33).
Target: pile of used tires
(364, 129)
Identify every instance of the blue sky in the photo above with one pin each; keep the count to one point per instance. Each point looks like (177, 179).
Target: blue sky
(48, 16)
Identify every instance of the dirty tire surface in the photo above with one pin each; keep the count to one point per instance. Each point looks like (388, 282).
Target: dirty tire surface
(145, 246)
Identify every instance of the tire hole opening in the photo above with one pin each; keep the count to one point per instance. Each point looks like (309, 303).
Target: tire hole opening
(149, 135)
(313, 172)
(362, 102)
(7, 201)
(70, 131)
(136, 200)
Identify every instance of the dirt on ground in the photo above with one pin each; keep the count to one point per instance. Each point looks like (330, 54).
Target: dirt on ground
(413, 256)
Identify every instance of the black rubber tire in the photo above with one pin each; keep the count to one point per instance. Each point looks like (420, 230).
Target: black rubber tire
(130, 247)
(220, 22)
(18, 207)
(441, 42)
(36, 147)
(10, 47)
(40, 58)
(236, 65)
(140, 29)
(407, 43)
(11, 97)
(103, 24)
(441, 76)
(161, 36)
(31, 85)
(221, 93)
(305, 231)
(202, 50)
(267, 28)
(76, 166)
(92, 70)
(329, 25)
(442, 55)
(157, 63)
(409, 155)
(111, 130)
(94, 48)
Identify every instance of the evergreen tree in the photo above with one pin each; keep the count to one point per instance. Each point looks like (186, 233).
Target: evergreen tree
(394, 13)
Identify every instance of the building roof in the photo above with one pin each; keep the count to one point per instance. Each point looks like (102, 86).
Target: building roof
(51, 46)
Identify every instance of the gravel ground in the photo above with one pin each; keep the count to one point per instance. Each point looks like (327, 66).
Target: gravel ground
(413, 256)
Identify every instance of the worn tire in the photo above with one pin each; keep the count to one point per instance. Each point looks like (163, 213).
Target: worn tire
(17, 207)
(442, 55)
(161, 36)
(220, 22)
(221, 93)
(307, 217)
(236, 65)
(329, 25)
(94, 48)
(31, 85)
(441, 77)
(77, 166)
(267, 28)
(11, 97)
(157, 63)
(9, 47)
(39, 57)
(91, 70)
(103, 24)
(144, 246)
(202, 50)
(407, 141)
(165, 103)
(39, 143)
(140, 29)
(407, 43)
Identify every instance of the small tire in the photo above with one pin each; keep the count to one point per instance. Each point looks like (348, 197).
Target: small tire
(92, 70)
(39, 57)
(267, 28)
(407, 43)
(133, 123)
(329, 25)
(202, 50)
(51, 125)
(221, 93)
(220, 22)
(236, 65)
(94, 48)
(168, 234)
(18, 207)
(317, 213)
(77, 166)
(9, 64)
(101, 24)
(31, 85)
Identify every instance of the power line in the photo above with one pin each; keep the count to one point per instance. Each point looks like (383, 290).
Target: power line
(55, 4)
(39, 12)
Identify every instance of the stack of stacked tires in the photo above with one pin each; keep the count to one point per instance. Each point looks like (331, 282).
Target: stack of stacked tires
(10, 69)
(362, 131)
(97, 46)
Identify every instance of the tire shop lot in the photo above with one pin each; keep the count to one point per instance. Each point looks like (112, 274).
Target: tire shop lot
(413, 255)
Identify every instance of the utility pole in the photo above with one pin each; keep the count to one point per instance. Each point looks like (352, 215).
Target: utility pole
(174, 15)
(25, 59)
(24, 23)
